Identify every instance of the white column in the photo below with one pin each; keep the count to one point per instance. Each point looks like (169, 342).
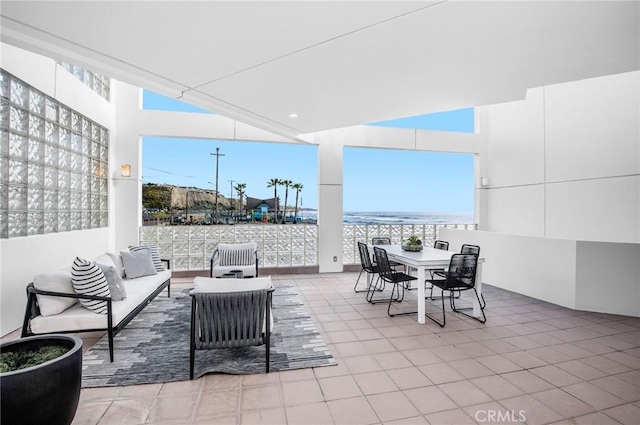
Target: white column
(329, 205)
(125, 148)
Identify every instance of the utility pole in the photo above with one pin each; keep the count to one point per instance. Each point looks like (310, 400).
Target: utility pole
(231, 199)
(215, 207)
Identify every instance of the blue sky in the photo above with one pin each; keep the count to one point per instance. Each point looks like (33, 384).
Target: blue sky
(440, 182)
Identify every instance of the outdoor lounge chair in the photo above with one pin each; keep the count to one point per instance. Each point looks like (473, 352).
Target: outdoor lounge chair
(229, 314)
(239, 259)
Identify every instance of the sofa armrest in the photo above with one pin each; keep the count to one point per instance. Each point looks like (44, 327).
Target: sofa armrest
(32, 290)
(167, 262)
(33, 310)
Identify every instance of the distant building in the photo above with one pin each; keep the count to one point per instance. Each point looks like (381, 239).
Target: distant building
(257, 204)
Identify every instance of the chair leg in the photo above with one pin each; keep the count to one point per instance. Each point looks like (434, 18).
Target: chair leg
(380, 288)
(357, 281)
(192, 338)
(459, 310)
(444, 317)
(400, 285)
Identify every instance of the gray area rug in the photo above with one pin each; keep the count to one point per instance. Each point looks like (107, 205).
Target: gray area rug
(154, 347)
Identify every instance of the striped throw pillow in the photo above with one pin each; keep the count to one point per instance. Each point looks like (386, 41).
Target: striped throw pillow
(155, 255)
(88, 279)
(237, 254)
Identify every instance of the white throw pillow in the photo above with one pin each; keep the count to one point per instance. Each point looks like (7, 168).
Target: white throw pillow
(117, 262)
(155, 255)
(138, 263)
(88, 279)
(115, 282)
(58, 281)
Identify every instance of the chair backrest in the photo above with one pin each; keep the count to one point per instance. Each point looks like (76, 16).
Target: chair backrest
(381, 241)
(230, 319)
(461, 272)
(241, 254)
(444, 245)
(382, 261)
(365, 257)
(470, 249)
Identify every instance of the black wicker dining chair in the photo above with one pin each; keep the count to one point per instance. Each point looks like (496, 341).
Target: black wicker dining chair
(443, 245)
(460, 276)
(384, 240)
(475, 250)
(396, 278)
(367, 267)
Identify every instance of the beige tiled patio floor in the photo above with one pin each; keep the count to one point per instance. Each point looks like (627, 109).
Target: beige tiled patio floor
(532, 362)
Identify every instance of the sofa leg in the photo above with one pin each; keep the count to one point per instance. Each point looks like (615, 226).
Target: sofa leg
(110, 332)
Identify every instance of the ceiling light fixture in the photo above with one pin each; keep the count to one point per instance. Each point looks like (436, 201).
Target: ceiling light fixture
(293, 115)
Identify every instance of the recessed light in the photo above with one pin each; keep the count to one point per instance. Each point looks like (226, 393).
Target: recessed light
(293, 115)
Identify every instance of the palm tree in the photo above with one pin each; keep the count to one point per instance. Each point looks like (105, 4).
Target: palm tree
(298, 187)
(287, 184)
(274, 183)
(240, 187)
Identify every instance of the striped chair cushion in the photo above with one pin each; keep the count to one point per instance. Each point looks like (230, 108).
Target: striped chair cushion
(237, 254)
(88, 279)
(155, 255)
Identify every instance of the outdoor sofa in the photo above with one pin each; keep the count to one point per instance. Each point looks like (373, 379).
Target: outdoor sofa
(53, 305)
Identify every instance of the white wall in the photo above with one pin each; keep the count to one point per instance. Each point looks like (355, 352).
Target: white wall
(539, 267)
(565, 162)
(583, 275)
(22, 258)
(562, 208)
(608, 276)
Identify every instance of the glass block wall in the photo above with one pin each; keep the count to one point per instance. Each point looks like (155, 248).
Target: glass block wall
(190, 247)
(53, 164)
(96, 82)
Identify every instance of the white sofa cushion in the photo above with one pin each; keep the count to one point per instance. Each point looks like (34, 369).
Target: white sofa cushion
(58, 281)
(206, 284)
(80, 318)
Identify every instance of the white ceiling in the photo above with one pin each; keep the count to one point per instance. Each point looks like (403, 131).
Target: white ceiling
(335, 64)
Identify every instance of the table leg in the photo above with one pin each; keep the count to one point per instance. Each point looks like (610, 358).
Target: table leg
(476, 304)
(421, 294)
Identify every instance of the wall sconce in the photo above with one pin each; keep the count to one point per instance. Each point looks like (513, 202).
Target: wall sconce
(484, 181)
(125, 170)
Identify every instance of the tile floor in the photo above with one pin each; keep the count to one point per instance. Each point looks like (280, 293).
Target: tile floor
(532, 362)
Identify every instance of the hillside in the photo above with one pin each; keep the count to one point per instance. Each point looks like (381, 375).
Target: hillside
(156, 196)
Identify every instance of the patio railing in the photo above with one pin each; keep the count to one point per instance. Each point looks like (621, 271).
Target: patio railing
(286, 245)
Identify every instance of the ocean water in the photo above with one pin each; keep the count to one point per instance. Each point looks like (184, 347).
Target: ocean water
(378, 217)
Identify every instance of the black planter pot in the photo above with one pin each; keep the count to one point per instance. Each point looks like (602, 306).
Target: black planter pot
(47, 393)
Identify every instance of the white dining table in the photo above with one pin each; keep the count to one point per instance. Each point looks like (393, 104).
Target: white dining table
(430, 259)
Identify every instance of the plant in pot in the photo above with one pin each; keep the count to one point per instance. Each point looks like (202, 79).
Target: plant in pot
(40, 378)
(412, 244)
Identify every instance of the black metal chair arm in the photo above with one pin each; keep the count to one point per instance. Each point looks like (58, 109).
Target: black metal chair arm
(32, 289)
(167, 261)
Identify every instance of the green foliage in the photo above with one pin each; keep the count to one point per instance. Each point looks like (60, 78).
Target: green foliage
(413, 240)
(154, 196)
(24, 358)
